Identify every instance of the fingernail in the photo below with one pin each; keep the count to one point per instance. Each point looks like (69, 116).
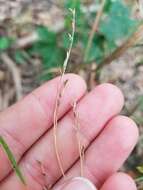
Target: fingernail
(79, 183)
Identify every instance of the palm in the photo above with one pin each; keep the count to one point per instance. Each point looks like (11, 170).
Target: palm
(107, 137)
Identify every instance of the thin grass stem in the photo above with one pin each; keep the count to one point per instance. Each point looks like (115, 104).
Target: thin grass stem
(61, 87)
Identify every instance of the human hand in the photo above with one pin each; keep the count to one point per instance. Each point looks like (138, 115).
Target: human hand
(108, 138)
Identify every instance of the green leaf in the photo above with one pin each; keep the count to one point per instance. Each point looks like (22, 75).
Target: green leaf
(19, 57)
(95, 53)
(52, 55)
(47, 48)
(96, 50)
(65, 40)
(73, 4)
(118, 23)
(45, 35)
(107, 6)
(12, 160)
(4, 43)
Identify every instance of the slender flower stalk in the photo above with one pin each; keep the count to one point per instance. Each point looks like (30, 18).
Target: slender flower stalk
(61, 87)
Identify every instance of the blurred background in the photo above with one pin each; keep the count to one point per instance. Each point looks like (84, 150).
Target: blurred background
(108, 47)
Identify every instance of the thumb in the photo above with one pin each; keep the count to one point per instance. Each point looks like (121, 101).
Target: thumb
(78, 183)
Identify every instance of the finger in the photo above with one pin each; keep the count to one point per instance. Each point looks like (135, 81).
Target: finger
(109, 151)
(23, 123)
(119, 181)
(101, 108)
(79, 183)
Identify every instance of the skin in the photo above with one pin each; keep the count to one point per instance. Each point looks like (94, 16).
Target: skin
(108, 137)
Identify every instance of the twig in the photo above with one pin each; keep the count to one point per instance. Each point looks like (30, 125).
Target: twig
(9, 93)
(94, 30)
(80, 146)
(61, 86)
(26, 41)
(15, 74)
(133, 40)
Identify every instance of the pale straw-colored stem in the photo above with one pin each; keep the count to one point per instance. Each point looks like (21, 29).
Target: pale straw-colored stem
(61, 86)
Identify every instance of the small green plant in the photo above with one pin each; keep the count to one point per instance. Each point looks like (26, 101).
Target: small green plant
(116, 24)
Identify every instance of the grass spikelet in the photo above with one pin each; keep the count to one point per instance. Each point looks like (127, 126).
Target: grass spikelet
(80, 146)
